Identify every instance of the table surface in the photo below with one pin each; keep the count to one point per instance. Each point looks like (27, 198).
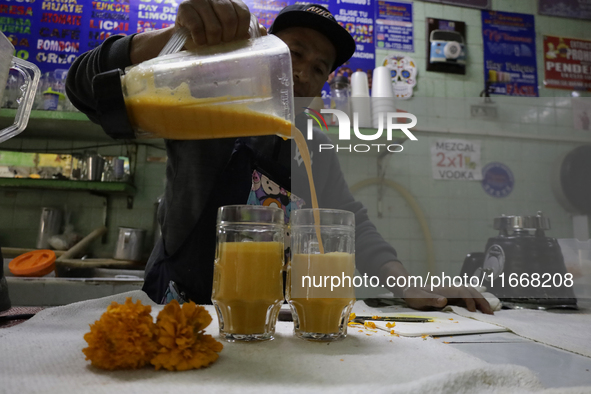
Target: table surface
(554, 367)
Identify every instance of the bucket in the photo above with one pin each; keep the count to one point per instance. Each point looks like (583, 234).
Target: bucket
(130, 244)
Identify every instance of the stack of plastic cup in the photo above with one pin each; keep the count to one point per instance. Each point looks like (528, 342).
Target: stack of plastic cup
(360, 101)
(382, 95)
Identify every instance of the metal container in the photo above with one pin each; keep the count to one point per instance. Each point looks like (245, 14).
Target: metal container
(93, 168)
(130, 244)
(50, 225)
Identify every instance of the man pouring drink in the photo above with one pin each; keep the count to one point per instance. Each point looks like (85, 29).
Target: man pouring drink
(203, 175)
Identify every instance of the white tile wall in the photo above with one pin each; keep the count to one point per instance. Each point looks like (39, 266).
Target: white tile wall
(459, 213)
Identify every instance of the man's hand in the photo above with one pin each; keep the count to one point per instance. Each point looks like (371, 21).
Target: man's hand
(213, 21)
(209, 21)
(423, 299)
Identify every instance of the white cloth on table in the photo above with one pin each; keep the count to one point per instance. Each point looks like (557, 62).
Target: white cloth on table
(564, 329)
(44, 355)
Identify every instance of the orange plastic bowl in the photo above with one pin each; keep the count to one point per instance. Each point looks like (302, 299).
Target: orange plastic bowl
(35, 263)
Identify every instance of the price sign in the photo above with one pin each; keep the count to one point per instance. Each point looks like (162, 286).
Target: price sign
(456, 160)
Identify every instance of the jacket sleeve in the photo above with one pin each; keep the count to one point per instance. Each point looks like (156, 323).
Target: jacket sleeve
(371, 250)
(111, 54)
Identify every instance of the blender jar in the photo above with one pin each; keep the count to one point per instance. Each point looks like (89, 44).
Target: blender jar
(30, 74)
(237, 89)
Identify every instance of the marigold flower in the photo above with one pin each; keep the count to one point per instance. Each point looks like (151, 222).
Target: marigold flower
(369, 324)
(352, 316)
(123, 337)
(182, 344)
(391, 325)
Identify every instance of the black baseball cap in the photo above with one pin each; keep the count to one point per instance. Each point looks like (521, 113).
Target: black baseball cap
(317, 17)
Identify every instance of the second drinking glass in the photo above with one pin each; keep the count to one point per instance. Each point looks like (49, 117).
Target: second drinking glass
(320, 274)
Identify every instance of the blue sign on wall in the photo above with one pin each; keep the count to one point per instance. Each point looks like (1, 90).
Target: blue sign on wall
(497, 180)
(53, 33)
(510, 53)
(357, 18)
(394, 27)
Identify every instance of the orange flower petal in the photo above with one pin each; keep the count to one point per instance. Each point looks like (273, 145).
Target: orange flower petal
(183, 344)
(122, 338)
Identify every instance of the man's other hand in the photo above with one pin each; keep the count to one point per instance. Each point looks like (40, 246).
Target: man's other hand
(423, 299)
(212, 22)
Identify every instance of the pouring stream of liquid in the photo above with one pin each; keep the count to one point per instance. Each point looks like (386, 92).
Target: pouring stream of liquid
(303, 148)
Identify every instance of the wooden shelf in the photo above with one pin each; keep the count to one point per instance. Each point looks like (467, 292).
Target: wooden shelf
(54, 184)
(56, 124)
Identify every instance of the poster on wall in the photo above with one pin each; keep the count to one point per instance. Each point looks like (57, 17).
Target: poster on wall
(446, 46)
(53, 33)
(567, 63)
(154, 14)
(483, 4)
(50, 34)
(457, 160)
(394, 27)
(510, 66)
(579, 9)
(266, 11)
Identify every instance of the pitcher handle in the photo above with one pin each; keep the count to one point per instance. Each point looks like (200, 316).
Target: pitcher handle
(31, 74)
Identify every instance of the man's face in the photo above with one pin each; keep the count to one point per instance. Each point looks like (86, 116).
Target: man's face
(312, 58)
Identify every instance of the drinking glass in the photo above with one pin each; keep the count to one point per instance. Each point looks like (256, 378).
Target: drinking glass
(248, 271)
(320, 274)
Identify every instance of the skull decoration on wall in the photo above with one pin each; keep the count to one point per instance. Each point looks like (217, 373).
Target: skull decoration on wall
(404, 75)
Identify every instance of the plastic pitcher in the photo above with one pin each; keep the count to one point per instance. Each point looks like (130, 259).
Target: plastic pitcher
(31, 75)
(237, 89)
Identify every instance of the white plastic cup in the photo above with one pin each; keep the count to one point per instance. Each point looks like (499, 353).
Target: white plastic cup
(362, 107)
(359, 84)
(382, 83)
(381, 105)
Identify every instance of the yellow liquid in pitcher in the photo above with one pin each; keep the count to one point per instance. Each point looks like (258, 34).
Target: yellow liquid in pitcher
(176, 114)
